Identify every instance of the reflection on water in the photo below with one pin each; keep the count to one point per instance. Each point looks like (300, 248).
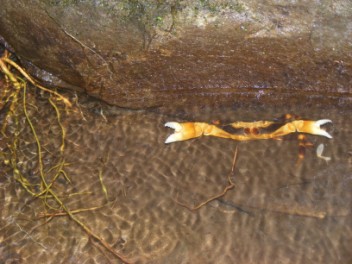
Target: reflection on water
(277, 213)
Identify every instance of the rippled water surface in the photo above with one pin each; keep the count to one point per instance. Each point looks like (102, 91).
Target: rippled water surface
(279, 212)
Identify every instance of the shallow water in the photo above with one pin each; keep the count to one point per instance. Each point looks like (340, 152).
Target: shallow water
(279, 212)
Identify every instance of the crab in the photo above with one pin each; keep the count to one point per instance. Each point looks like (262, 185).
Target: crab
(248, 130)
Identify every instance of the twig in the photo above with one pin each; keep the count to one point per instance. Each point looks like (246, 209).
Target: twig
(43, 215)
(230, 186)
(87, 229)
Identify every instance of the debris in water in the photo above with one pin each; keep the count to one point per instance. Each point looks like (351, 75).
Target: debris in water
(319, 152)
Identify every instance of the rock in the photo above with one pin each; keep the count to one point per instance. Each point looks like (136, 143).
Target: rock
(141, 54)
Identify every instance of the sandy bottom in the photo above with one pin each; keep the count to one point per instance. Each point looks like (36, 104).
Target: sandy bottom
(277, 213)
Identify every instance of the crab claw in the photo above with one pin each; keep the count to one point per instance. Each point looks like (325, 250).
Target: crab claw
(322, 132)
(176, 136)
(184, 131)
(313, 127)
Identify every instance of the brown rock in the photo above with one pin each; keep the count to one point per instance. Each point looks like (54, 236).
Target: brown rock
(141, 54)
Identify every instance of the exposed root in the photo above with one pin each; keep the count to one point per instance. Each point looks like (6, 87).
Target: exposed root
(13, 100)
(228, 187)
(5, 59)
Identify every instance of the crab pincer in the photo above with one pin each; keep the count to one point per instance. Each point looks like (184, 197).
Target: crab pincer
(313, 127)
(184, 131)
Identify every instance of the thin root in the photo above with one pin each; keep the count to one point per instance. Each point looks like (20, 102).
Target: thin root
(18, 90)
(230, 186)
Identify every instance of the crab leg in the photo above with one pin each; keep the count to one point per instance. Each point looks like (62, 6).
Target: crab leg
(188, 130)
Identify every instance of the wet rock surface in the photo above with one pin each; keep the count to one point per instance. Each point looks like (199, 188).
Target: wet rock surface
(141, 54)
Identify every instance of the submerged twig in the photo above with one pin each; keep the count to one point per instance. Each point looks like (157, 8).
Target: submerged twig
(230, 186)
(63, 213)
(88, 230)
(103, 187)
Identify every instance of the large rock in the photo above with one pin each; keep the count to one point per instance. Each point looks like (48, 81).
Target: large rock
(142, 54)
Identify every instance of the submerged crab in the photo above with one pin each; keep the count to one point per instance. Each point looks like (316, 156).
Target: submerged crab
(248, 130)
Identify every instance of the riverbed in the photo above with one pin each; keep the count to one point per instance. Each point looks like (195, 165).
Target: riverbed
(278, 212)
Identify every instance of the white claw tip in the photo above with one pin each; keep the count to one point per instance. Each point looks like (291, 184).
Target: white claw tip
(174, 125)
(323, 122)
(326, 134)
(176, 136)
(322, 132)
(170, 139)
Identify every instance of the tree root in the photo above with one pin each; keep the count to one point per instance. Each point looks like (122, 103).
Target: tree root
(15, 96)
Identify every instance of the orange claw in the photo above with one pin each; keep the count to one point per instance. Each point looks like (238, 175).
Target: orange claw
(312, 127)
(188, 130)
(302, 126)
(184, 131)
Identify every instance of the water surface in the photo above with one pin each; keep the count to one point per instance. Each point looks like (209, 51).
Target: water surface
(279, 212)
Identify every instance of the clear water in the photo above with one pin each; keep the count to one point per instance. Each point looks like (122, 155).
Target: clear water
(279, 212)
